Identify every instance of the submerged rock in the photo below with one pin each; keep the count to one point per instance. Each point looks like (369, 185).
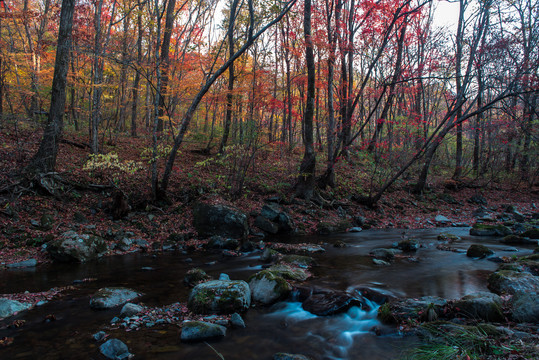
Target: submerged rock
(193, 331)
(384, 254)
(114, 349)
(297, 260)
(286, 356)
(408, 245)
(330, 302)
(481, 305)
(220, 296)
(478, 251)
(448, 237)
(11, 307)
(110, 297)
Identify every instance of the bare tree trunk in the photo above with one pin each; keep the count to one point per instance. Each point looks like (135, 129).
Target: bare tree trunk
(305, 184)
(164, 62)
(123, 77)
(229, 95)
(44, 160)
(97, 80)
(328, 178)
(136, 83)
(458, 79)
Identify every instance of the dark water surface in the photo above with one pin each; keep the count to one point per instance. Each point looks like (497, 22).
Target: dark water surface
(285, 327)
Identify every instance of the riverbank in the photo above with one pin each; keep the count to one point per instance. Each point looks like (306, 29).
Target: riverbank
(109, 194)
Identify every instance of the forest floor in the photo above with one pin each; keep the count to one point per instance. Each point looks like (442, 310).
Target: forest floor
(84, 201)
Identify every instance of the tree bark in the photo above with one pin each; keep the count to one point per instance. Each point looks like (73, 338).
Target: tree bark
(164, 62)
(44, 160)
(305, 184)
(229, 95)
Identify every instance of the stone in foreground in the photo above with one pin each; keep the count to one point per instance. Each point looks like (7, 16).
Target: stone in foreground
(481, 305)
(220, 296)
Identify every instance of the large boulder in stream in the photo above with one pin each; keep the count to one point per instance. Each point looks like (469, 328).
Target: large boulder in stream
(220, 297)
(267, 288)
(219, 220)
(331, 302)
(481, 305)
(511, 282)
(478, 251)
(11, 307)
(193, 331)
(106, 298)
(74, 247)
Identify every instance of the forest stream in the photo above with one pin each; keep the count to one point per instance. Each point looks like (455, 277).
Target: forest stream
(283, 327)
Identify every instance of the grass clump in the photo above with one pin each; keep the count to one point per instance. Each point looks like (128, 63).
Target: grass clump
(447, 341)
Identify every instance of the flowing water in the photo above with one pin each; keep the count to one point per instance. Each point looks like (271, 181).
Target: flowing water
(284, 327)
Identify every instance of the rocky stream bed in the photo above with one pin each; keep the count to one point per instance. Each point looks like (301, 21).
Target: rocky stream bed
(372, 294)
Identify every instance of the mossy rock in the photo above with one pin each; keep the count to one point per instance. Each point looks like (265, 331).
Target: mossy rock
(490, 230)
(385, 315)
(193, 331)
(267, 287)
(482, 305)
(408, 245)
(270, 255)
(298, 260)
(478, 251)
(289, 272)
(510, 282)
(448, 237)
(531, 233)
(195, 276)
(220, 297)
(420, 309)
